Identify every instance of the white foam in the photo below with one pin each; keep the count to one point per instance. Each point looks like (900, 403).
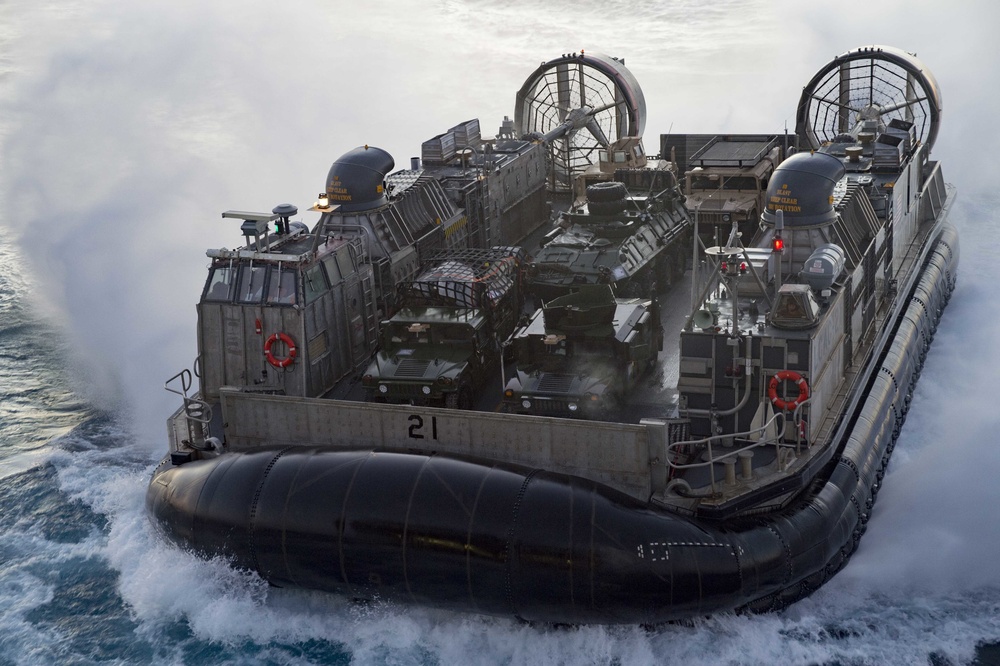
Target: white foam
(26, 584)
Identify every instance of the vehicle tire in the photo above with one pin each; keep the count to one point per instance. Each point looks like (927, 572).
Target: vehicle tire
(465, 398)
(460, 399)
(606, 207)
(610, 190)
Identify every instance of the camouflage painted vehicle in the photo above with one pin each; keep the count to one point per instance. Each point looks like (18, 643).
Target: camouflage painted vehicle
(448, 335)
(582, 353)
(725, 183)
(632, 232)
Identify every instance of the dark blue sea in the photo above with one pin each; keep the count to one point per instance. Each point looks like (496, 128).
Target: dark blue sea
(126, 129)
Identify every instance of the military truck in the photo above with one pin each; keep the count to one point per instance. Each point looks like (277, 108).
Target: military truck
(448, 335)
(632, 232)
(725, 180)
(581, 354)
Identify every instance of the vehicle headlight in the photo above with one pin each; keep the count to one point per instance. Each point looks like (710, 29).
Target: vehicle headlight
(382, 388)
(572, 406)
(526, 404)
(426, 390)
(725, 217)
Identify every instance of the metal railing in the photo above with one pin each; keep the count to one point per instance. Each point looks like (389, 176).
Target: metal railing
(197, 412)
(782, 450)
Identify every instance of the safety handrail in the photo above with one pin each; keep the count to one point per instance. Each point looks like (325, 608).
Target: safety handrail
(730, 453)
(186, 383)
(197, 412)
(796, 419)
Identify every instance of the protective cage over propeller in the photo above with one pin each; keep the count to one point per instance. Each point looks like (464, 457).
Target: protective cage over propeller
(878, 83)
(579, 104)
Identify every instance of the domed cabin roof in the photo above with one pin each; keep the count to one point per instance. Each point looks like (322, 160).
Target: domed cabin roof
(802, 188)
(355, 181)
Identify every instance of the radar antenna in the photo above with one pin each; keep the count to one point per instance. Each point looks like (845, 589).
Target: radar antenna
(875, 83)
(579, 104)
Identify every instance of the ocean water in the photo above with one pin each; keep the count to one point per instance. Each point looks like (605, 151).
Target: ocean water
(125, 132)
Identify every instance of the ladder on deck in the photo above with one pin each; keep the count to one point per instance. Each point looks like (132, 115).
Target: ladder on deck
(367, 285)
(197, 412)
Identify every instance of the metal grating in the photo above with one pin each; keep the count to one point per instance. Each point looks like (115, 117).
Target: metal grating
(551, 382)
(411, 368)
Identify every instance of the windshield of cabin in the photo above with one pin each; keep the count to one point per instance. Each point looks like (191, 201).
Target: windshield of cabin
(281, 286)
(220, 284)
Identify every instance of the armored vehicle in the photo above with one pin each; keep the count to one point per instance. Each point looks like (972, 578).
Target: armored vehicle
(632, 232)
(498, 182)
(448, 336)
(624, 154)
(725, 180)
(462, 192)
(581, 353)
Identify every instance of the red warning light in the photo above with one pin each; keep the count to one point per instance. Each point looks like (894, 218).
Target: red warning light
(777, 244)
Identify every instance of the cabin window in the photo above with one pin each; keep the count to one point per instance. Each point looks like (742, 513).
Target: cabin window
(405, 335)
(344, 263)
(281, 287)
(454, 336)
(704, 183)
(220, 284)
(315, 283)
(739, 183)
(251, 285)
(332, 270)
(557, 348)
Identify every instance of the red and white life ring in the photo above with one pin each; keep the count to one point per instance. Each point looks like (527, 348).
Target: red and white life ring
(274, 360)
(772, 390)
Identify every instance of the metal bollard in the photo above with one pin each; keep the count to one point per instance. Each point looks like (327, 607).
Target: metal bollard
(730, 464)
(746, 468)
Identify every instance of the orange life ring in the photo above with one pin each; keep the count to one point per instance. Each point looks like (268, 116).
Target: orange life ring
(772, 390)
(274, 360)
